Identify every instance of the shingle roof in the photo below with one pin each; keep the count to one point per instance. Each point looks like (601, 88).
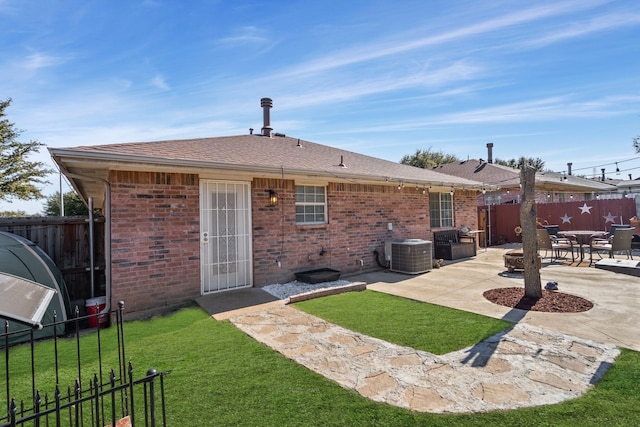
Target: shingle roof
(477, 170)
(553, 178)
(257, 152)
(493, 174)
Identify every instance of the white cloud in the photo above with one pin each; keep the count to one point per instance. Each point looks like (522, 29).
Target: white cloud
(342, 89)
(244, 35)
(580, 29)
(39, 60)
(159, 82)
(379, 50)
(546, 109)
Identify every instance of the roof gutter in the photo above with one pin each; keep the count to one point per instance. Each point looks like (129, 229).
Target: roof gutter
(129, 159)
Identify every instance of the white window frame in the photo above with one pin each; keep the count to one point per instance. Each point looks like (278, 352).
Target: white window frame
(309, 203)
(437, 219)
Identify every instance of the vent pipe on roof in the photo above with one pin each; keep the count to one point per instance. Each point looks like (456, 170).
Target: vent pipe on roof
(602, 174)
(490, 152)
(266, 104)
(569, 167)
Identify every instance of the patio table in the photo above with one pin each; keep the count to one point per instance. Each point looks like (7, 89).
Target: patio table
(582, 237)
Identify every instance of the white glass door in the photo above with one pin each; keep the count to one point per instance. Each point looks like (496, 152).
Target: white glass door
(225, 236)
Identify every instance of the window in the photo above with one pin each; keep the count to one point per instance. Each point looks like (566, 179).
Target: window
(311, 204)
(441, 210)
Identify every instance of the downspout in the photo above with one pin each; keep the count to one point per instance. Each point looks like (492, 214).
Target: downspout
(107, 236)
(92, 242)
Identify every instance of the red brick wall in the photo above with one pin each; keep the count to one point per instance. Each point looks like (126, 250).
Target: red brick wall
(155, 239)
(358, 217)
(465, 213)
(155, 233)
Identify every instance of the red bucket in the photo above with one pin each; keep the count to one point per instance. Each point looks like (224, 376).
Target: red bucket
(94, 306)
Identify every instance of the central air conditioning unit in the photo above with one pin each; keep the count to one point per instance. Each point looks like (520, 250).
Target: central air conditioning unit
(412, 256)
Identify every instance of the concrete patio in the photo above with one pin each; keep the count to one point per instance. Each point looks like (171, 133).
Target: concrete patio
(614, 319)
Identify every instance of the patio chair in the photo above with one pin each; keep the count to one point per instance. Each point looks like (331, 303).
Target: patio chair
(553, 246)
(621, 242)
(552, 229)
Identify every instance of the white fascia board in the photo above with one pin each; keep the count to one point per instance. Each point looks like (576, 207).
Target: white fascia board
(68, 157)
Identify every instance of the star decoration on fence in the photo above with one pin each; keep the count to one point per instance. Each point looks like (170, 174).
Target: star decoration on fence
(585, 209)
(566, 218)
(609, 218)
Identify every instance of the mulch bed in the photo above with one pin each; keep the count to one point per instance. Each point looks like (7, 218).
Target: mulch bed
(551, 301)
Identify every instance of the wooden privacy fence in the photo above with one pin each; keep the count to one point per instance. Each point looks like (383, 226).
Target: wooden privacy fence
(66, 240)
(500, 221)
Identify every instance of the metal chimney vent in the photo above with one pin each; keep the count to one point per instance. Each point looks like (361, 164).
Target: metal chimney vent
(266, 104)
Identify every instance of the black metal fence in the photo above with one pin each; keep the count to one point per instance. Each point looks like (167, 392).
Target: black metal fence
(103, 397)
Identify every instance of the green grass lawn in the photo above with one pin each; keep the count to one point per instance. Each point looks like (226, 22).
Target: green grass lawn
(221, 377)
(409, 323)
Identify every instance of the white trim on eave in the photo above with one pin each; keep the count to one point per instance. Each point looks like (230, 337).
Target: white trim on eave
(110, 161)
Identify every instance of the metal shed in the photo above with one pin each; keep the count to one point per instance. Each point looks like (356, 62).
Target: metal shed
(21, 258)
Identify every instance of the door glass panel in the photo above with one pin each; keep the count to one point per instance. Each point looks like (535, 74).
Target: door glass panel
(226, 253)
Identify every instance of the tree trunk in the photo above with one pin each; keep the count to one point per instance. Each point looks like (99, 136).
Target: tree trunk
(528, 214)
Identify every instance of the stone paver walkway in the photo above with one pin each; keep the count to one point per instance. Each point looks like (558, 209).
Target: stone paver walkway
(525, 366)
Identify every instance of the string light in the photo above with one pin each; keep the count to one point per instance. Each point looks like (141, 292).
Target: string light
(607, 164)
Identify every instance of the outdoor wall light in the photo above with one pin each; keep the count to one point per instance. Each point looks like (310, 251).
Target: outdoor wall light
(273, 198)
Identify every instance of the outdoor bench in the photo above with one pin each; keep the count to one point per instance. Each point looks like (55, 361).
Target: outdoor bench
(451, 244)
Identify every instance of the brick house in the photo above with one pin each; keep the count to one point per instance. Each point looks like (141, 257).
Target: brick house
(191, 217)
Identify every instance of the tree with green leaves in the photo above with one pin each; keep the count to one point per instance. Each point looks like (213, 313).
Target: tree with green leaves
(19, 176)
(536, 163)
(73, 205)
(13, 214)
(427, 158)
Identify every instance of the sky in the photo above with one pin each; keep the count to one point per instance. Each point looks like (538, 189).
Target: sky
(556, 80)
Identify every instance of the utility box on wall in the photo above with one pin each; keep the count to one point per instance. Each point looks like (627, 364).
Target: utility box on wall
(411, 256)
